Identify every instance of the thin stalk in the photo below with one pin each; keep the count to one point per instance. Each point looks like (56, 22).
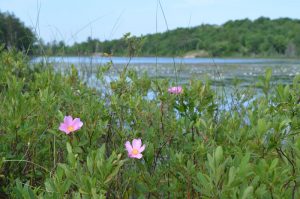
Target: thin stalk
(54, 152)
(28, 162)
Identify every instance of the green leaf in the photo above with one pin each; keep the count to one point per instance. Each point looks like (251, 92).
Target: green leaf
(202, 179)
(231, 175)
(219, 155)
(248, 192)
(268, 74)
(273, 164)
(90, 166)
(69, 147)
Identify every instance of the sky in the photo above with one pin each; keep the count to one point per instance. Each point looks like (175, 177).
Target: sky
(75, 20)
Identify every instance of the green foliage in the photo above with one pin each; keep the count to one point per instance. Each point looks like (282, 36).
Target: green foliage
(194, 148)
(14, 34)
(90, 180)
(23, 190)
(262, 37)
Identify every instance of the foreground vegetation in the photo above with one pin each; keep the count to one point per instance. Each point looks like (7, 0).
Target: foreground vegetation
(193, 148)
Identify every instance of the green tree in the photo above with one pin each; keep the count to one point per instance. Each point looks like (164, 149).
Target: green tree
(260, 37)
(14, 34)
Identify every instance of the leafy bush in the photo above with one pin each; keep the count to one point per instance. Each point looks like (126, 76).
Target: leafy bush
(194, 147)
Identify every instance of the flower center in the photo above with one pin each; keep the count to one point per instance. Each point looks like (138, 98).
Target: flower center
(135, 152)
(70, 128)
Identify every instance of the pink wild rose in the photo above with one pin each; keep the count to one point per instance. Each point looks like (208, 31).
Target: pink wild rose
(135, 150)
(69, 125)
(175, 90)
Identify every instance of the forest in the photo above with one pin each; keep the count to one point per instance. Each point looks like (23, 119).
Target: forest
(15, 35)
(262, 37)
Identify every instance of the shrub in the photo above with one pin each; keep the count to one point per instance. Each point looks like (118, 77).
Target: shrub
(194, 148)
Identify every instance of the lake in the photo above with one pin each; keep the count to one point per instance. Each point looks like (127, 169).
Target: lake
(222, 71)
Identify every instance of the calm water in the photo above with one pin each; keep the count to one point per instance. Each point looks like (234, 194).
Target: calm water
(220, 71)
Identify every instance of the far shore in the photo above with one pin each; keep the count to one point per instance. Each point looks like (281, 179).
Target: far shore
(171, 57)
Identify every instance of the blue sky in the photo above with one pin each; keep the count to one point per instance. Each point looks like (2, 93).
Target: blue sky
(75, 20)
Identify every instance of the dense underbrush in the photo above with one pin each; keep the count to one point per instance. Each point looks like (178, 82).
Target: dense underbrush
(193, 147)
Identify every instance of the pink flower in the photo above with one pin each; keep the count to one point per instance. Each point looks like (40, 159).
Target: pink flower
(175, 90)
(69, 125)
(136, 149)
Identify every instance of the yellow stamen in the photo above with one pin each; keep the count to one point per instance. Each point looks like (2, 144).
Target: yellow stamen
(135, 152)
(70, 128)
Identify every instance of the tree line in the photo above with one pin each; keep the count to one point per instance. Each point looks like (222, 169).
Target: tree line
(262, 37)
(15, 35)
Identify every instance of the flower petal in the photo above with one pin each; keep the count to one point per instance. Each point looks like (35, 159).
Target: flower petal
(136, 143)
(175, 90)
(142, 148)
(63, 127)
(138, 156)
(68, 120)
(128, 147)
(77, 124)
